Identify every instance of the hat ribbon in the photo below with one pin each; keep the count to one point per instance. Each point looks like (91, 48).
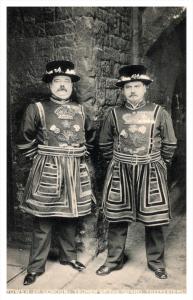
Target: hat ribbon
(59, 70)
(135, 76)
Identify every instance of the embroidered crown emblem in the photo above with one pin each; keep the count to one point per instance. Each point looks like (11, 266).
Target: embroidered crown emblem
(64, 112)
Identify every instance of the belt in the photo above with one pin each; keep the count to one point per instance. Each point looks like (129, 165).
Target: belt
(136, 159)
(62, 151)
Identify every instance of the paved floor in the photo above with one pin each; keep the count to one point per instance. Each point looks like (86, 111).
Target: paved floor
(134, 277)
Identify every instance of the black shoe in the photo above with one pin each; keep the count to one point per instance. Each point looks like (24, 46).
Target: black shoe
(104, 270)
(74, 264)
(159, 272)
(31, 277)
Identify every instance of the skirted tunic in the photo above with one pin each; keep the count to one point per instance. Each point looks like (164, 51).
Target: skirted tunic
(55, 134)
(138, 141)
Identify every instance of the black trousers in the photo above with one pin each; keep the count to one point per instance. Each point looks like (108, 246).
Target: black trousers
(154, 243)
(41, 241)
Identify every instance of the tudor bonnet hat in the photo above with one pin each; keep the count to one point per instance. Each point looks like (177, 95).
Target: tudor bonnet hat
(60, 67)
(131, 73)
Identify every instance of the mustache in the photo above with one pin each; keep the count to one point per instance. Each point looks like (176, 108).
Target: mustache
(61, 89)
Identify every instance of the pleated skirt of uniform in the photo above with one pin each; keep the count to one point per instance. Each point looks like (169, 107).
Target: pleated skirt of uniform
(58, 186)
(137, 193)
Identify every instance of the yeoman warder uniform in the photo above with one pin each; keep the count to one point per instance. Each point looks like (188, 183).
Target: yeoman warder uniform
(138, 141)
(57, 133)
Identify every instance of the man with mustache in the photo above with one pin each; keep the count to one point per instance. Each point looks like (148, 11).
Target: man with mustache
(56, 133)
(139, 141)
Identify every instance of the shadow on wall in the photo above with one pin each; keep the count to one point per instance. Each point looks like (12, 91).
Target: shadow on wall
(166, 59)
(177, 186)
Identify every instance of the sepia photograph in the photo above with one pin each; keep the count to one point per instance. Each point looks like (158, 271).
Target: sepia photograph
(96, 148)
